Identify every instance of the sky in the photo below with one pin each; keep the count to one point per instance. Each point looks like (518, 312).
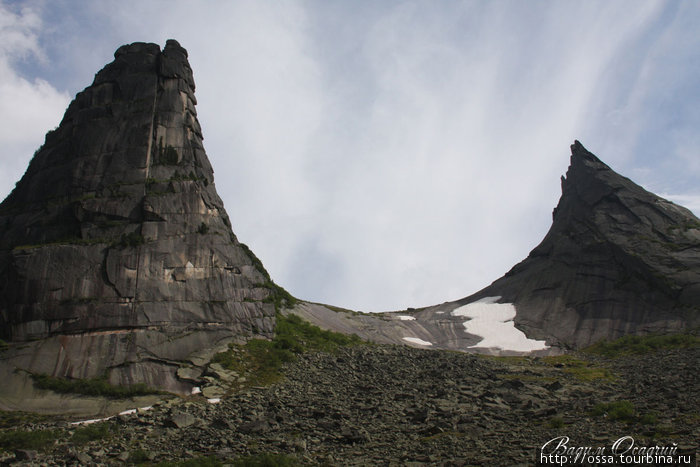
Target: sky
(385, 155)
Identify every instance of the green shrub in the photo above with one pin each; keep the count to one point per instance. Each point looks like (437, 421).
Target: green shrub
(17, 439)
(581, 369)
(260, 360)
(12, 419)
(278, 296)
(266, 460)
(618, 410)
(648, 419)
(209, 461)
(639, 345)
(90, 387)
(555, 422)
(139, 456)
(203, 228)
(92, 432)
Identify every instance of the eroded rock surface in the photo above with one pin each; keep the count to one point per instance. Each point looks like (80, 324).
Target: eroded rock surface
(116, 253)
(394, 405)
(617, 260)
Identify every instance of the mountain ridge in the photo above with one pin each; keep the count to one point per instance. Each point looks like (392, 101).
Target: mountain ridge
(614, 252)
(117, 257)
(617, 260)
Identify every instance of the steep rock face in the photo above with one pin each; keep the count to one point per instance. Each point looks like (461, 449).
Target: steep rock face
(115, 249)
(617, 260)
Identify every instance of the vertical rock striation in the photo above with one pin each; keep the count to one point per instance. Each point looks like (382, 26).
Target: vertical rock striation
(617, 260)
(116, 253)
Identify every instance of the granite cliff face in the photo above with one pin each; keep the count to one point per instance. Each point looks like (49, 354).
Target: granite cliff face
(617, 260)
(116, 254)
(117, 258)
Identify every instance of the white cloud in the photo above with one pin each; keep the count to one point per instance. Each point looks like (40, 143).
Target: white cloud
(385, 156)
(28, 108)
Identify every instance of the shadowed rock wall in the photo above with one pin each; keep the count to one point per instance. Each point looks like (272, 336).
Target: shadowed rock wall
(617, 260)
(115, 249)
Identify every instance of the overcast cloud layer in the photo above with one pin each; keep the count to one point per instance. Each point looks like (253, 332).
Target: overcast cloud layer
(381, 155)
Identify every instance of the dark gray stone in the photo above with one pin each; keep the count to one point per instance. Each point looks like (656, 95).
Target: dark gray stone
(114, 245)
(181, 420)
(617, 260)
(25, 455)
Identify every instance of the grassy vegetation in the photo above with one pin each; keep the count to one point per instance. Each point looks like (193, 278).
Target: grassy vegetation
(92, 432)
(581, 369)
(91, 387)
(201, 461)
(638, 345)
(210, 461)
(278, 296)
(531, 369)
(18, 439)
(139, 456)
(555, 422)
(65, 241)
(3, 345)
(260, 361)
(266, 460)
(622, 410)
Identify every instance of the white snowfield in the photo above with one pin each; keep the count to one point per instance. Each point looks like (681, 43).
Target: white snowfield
(406, 318)
(125, 412)
(415, 340)
(494, 322)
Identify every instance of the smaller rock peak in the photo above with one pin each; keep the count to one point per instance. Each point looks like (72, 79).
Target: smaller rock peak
(579, 152)
(171, 45)
(173, 63)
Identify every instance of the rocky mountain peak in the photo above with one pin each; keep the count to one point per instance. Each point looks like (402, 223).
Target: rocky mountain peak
(617, 260)
(116, 252)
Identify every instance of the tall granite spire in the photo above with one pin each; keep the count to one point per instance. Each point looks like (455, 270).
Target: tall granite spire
(617, 260)
(115, 249)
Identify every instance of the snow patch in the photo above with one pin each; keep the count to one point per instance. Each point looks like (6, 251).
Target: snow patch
(125, 412)
(406, 318)
(494, 322)
(196, 390)
(90, 422)
(415, 340)
(214, 400)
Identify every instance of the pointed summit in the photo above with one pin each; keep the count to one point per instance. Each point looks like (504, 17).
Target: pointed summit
(115, 249)
(617, 260)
